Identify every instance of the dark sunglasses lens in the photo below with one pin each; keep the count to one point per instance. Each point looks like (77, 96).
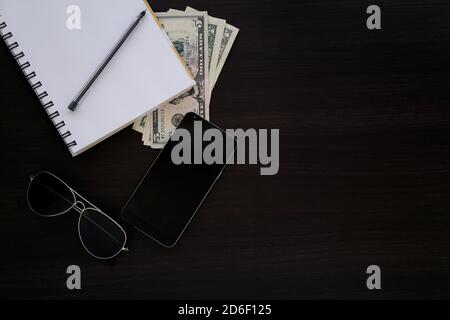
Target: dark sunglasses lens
(101, 236)
(49, 196)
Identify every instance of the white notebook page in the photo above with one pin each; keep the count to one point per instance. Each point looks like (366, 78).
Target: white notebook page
(145, 73)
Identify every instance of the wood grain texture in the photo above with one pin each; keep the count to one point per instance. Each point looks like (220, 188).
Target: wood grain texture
(364, 178)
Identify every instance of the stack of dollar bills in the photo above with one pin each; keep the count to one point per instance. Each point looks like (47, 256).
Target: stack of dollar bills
(204, 43)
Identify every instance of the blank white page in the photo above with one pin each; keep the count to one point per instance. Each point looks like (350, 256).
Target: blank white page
(144, 74)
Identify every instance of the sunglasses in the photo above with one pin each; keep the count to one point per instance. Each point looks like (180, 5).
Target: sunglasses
(48, 196)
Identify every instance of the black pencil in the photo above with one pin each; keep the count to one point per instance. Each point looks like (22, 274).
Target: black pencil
(74, 104)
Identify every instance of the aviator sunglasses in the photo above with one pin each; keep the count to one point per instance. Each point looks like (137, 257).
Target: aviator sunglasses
(48, 196)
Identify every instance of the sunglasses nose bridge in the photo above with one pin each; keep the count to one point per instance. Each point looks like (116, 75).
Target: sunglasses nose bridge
(79, 206)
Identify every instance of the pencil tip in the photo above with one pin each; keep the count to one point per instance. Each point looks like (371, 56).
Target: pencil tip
(73, 105)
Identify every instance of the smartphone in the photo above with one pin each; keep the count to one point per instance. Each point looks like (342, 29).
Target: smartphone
(171, 192)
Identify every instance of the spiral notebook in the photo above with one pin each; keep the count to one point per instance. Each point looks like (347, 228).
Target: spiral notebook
(57, 60)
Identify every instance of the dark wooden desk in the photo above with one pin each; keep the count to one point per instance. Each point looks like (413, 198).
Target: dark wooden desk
(364, 176)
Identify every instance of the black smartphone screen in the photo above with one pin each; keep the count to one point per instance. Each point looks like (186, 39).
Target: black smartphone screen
(170, 194)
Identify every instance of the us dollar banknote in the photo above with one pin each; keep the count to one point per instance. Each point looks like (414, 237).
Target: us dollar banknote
(189, 34)
(212, 52)
(139, 125)
(229, 37)
(216, 29)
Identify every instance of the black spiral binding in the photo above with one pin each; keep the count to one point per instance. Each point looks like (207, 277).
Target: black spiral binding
(37, 86)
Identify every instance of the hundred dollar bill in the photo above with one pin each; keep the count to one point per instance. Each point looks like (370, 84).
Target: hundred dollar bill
(216, 29)
(229, 36)
(189, 34)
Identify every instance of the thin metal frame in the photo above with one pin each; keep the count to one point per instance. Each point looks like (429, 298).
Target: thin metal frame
(81, 208)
